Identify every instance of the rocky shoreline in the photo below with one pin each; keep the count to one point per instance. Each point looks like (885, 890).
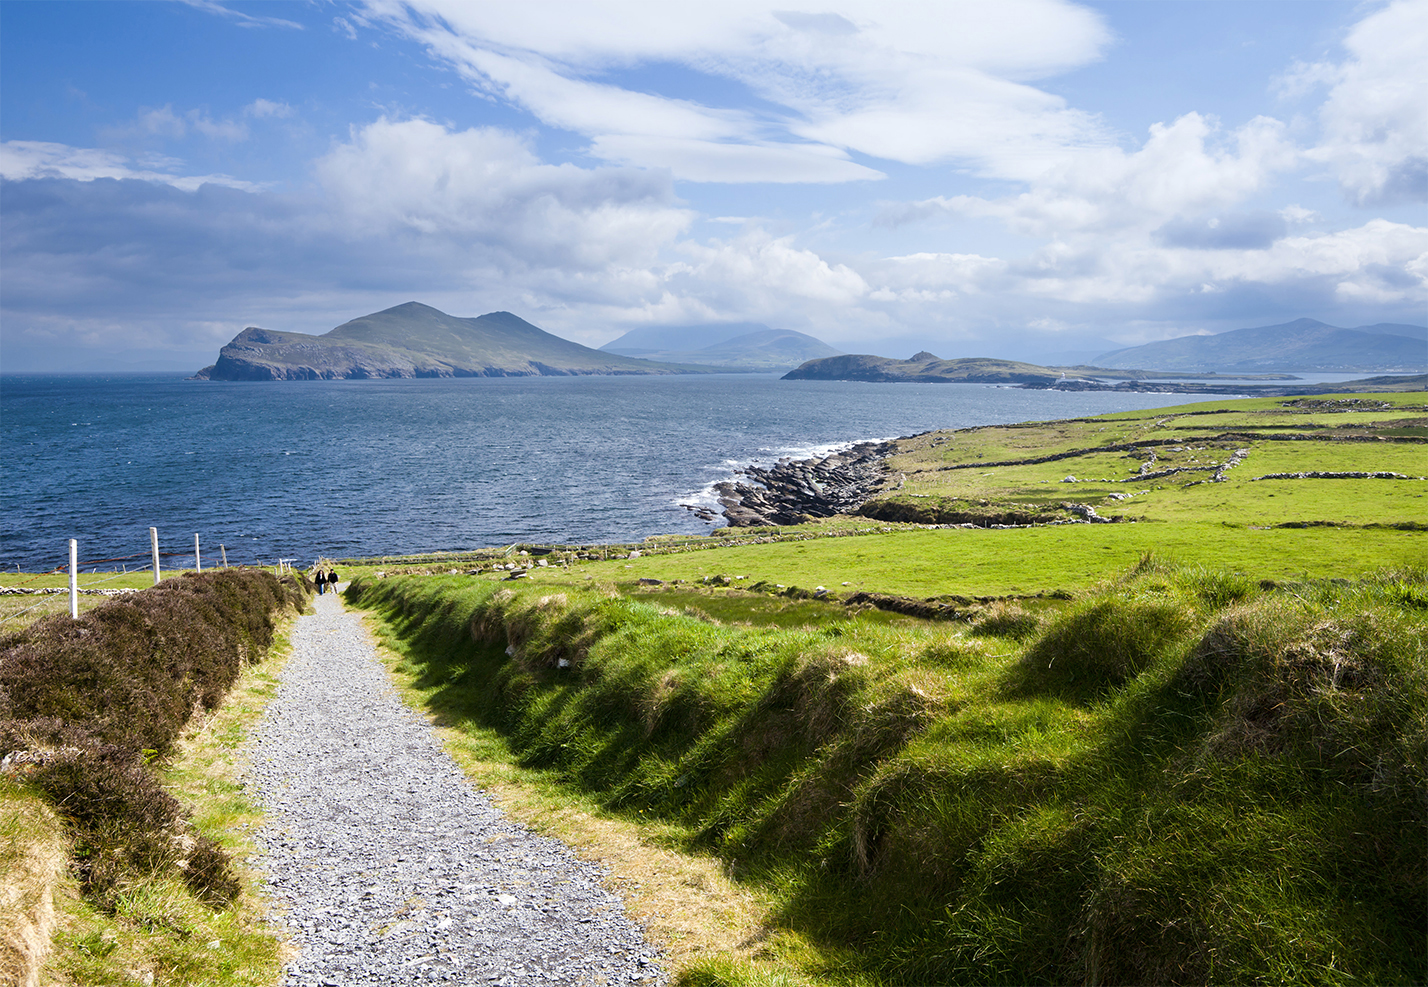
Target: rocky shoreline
(795, 490)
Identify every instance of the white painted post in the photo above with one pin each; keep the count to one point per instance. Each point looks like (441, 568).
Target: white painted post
(154, 548)
(73, 579)
(197, 559)
(223, 552)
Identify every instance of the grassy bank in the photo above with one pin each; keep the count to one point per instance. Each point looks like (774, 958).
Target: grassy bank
(99, 719)
(1178, 777)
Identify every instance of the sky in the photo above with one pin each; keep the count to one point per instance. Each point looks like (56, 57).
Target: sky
(1033, 179)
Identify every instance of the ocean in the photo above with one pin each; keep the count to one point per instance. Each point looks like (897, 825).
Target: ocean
(299, 469)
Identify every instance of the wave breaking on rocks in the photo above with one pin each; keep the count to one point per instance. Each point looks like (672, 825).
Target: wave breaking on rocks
(795, 490)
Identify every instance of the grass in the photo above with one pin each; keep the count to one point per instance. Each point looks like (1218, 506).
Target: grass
(687, 901)
(157, 930)
(1273, 529)
(104, 716)
(1178, 777)
(32, 858)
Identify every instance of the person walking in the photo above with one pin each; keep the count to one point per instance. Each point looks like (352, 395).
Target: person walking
(332, 579)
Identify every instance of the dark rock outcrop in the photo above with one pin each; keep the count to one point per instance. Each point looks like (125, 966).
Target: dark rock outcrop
(793, 491)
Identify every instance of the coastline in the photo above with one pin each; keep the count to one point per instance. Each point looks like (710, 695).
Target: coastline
(796, 490)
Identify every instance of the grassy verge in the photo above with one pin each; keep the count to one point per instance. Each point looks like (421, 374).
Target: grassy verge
(686, 900)
(95, 715)
(160, 932)
(1179, 777)
(32, 858)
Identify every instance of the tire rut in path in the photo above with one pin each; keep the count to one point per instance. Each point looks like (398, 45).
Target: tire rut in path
(387, 867)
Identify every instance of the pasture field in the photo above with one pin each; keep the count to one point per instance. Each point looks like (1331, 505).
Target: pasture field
(948, 741)
(1185, 747)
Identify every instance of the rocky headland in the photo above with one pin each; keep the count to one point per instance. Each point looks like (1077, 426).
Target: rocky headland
(794, 491)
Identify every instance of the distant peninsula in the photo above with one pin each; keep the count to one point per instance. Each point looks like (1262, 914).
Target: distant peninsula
(1302, 346)
(925, 368)
(416, 340)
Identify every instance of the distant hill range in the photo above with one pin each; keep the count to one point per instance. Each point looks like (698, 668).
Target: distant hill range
(415, 340)
(924, 367)
(1302, 346)
(749, 346)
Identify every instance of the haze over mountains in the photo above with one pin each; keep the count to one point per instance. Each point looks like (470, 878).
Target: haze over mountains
(733, 345)
(1304, 346)
(416, 340)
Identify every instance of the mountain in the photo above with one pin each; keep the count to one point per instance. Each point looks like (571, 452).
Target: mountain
(1397, 329)
(1305, 345)
(415, 340)
(728, 346)
(677, 339)
(926, 368)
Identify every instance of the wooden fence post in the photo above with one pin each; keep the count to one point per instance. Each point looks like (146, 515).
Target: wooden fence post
(223, 552)
(154, 548)
(73, 579)
(197, 559)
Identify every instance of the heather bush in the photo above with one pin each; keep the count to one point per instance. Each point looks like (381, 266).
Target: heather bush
(86, 704)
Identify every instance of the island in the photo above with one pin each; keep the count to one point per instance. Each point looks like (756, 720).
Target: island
(416, 340)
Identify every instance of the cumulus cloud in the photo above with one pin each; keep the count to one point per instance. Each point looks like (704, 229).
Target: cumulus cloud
(1182, 170)
(912, 82)
(764, 272)
(1374, 122)
(486, 185)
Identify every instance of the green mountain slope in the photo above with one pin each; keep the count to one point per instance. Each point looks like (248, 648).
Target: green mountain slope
(415, 340)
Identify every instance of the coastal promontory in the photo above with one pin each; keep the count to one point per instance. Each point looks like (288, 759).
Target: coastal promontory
(416, 340)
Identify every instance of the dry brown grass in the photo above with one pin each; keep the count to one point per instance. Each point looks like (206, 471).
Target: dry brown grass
(32, 858)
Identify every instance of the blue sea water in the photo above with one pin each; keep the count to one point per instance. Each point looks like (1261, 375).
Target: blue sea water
(298, 469)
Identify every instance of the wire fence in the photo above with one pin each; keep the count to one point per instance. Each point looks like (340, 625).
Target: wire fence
(145, 566)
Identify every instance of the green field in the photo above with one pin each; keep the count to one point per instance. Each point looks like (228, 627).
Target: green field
(1185, 747)
(1269, 529)
(1189, 746)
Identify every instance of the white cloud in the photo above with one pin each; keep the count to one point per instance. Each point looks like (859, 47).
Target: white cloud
(1374, 123)
(910, 82)
(765, 272)
(244, 20)
(20, 160)
(268, 108)
(164, 122)
(486, 185)
(1181, 170)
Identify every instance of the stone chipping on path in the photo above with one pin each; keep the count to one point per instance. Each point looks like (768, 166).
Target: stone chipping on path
(386, 866)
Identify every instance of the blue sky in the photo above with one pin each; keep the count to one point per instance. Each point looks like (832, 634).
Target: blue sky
(1027, 178)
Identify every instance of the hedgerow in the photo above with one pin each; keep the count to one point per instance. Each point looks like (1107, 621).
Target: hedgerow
(87, 705)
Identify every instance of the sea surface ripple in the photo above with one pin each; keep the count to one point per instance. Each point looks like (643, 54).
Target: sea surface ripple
(297, 469)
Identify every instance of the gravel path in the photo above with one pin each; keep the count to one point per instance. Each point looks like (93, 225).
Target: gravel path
(387, 867)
